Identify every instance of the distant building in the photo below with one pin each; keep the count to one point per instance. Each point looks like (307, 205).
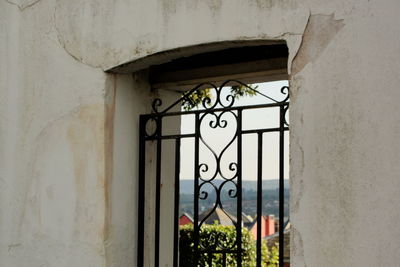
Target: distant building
(267, 226)
(225, 218)
(218, 215)
(185, 219)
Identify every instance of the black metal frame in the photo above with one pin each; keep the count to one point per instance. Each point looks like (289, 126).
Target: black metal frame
(215, 108)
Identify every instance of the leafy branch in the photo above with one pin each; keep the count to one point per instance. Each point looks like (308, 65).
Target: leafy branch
(196, 98)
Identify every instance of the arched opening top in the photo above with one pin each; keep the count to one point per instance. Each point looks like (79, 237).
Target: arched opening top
(250, 61)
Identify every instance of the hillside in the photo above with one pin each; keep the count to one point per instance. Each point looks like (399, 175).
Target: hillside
(186, 185)
(270, 197)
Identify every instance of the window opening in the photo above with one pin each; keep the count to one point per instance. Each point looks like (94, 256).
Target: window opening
(223, 151)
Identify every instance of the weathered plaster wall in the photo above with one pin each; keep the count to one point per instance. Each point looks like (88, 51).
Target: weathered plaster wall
(52, 146)
(130, 98)
(62, 120)
(123, 30)
(344, 148)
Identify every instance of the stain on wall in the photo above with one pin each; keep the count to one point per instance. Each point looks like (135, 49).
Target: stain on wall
(110, 99)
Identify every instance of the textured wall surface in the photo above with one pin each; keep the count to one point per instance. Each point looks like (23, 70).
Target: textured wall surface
(66, 194)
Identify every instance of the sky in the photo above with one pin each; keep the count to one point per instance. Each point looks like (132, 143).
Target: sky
(219, 138)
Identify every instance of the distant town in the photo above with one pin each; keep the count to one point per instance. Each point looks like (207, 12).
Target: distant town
(227, 216)
(270, 196)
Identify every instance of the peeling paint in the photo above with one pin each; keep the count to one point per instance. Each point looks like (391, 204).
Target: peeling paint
(297, 247)
(215, 6)
(319, 32)
(13, 246)
(265, 3)
(169, 7)
(297, 192)
(145, 45)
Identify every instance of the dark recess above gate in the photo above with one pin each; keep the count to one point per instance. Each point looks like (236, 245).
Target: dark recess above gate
(178, 69)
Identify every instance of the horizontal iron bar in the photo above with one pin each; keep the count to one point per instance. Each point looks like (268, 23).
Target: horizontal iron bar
(266, 130)
(173, 136)
(279, 104)
(177, 136)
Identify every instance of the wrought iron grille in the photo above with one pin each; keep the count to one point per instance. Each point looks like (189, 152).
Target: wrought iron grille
(215, 110)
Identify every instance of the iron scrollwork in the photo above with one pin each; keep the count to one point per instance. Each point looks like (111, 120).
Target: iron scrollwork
(216, 112)
(225, 102)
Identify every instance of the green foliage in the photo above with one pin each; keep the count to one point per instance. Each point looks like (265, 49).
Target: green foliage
(240, 91)
(270, 258)
(194, 100)
(225, 237)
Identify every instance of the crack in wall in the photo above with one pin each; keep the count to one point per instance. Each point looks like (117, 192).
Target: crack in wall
(319, 32)
(302, 38)
(22, 7)
(63, 45)
(296, 244)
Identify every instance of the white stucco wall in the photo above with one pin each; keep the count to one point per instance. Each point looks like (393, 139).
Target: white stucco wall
(64, 164)
(52, 156)
(121, 221)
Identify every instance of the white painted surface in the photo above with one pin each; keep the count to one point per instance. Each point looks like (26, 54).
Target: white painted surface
(121, 220)
(56, 169)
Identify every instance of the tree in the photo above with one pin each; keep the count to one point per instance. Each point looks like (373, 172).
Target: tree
(221, 236)
(196, 98)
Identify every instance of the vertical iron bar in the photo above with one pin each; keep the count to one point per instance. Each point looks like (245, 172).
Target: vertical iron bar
(196, 229)
(176, 201)
(259, 196)
(281, 186)
(158, 187)
(239, 192)
(141, 186)
(224, 259)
